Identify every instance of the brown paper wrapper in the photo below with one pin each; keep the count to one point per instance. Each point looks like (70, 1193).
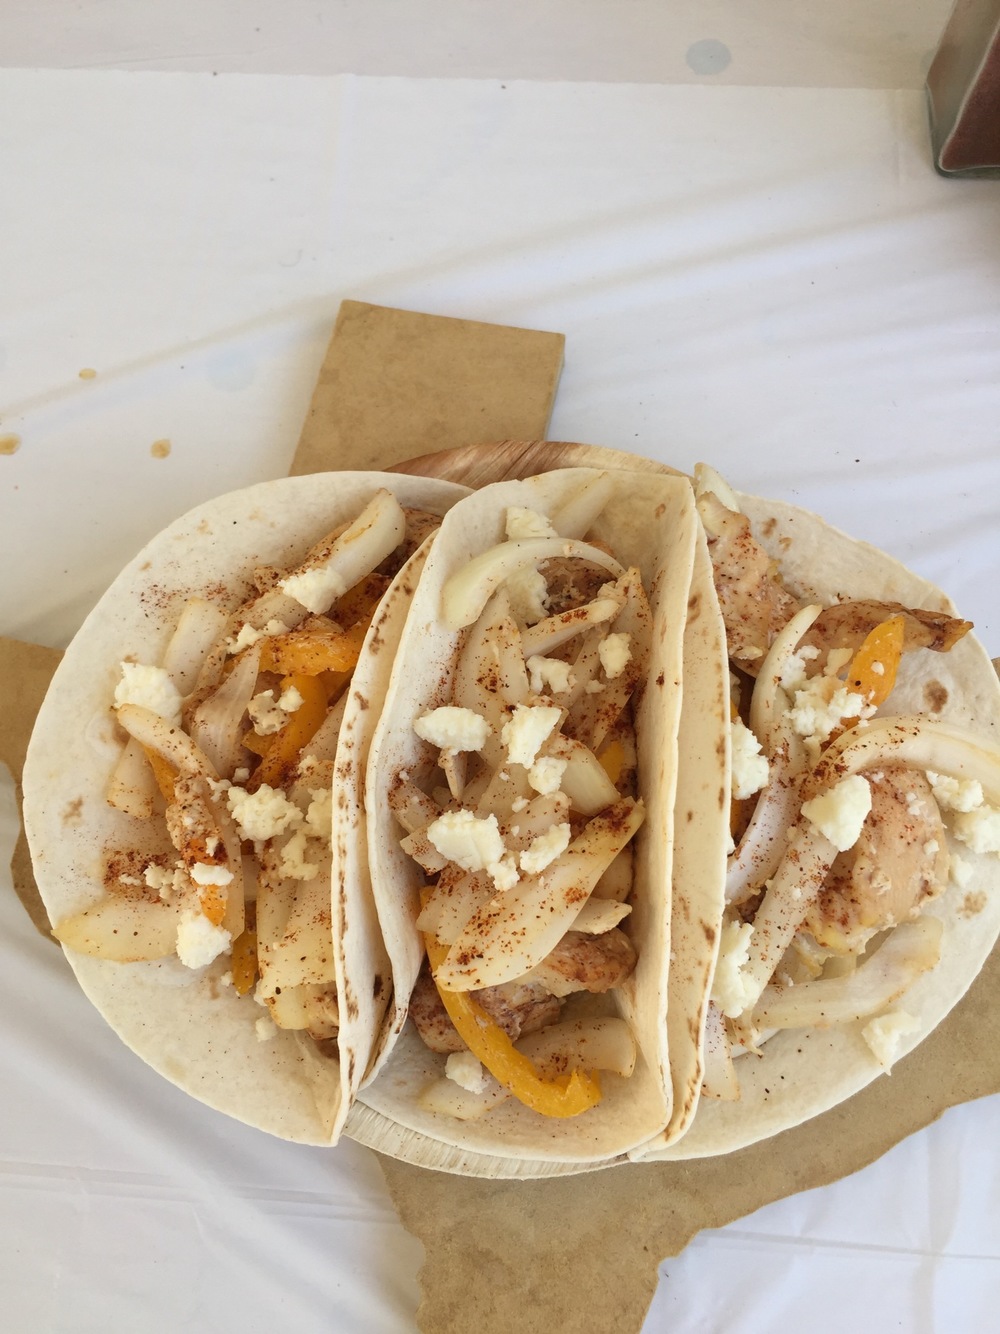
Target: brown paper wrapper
(582, 1252)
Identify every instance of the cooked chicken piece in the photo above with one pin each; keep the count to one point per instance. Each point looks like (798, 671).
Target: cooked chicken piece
(845, 625)
(571, 582)
(754, 602)
(431, 1018)
(586, 963)
(900, 861)
(518, 1008)
(419, 526)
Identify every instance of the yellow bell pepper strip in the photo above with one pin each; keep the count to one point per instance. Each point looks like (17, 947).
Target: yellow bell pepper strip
(882, 645)
(301, 727)
(314, 648)
(213, 903)
(359, 602)
(559, 1096)
(244, 961)
(612, 760)
(163, 771)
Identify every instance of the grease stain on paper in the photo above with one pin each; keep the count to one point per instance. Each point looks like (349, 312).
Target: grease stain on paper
(160, 449)
(9, 444)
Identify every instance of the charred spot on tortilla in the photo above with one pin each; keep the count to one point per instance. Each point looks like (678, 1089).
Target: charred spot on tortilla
(935, 695)
(661, 679)
(694, 607)
(72, 811)
(973, 904)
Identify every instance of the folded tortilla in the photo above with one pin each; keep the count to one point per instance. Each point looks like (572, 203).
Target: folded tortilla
(802, 1072)
(649, 523)
(187, 1024)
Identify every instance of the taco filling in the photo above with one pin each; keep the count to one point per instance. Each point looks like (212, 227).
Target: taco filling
(227, 775)
(844, 810)
(522, 817)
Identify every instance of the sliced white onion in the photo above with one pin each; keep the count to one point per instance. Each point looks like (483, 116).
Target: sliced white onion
(915, 741)
(167, 739)
(600, 915)
(467, 592)
(554, 631)
(342, 561)
(768, 699)
(123, 929)
(577, 514)
(719, 1079)
(200, 626)
(584, 780)
(132, 787)
(706, 480)
(765, 839)
(796, 883)
(216, 724)
(516, 930)
(909, 950)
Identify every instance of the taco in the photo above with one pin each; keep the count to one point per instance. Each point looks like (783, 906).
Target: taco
(520, 798)
(862, 890)
(192, 792)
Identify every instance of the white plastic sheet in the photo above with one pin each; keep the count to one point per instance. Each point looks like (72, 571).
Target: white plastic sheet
(770, 279)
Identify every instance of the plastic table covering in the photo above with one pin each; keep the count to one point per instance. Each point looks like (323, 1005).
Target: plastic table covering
(772, 279)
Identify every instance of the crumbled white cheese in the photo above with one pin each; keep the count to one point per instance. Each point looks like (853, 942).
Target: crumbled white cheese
(877, 668)
(523, 523)
(149, 688)
(841, 812)
(821, 705)
(528, 593)
(594, 687)
(885, 1033)
(262, 814)
(246, 638)
(241, 775)
(549, 674)
(978, 829)
(750, 767)
(314, 589)
(291, 699)
(731, 988)
(546, 774)
(166, 880)
(615, 653)
(793, 674)
(544, 849)
(956, 794)
(519, 805)
(527, 730)
(249, 635)
(202, 873)
(319, 816)
(265, 1028)
(504, 873)
(129, 880)
(294, 862)
(198, 940)
(961, 870)
(464, 839)
(463, 1069)
(453, 728)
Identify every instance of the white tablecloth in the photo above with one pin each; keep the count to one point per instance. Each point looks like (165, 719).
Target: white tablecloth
(773, 279)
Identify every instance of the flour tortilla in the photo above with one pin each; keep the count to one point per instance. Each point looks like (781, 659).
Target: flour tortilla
(803, 1072)
(650, 522)
(186, 1024)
